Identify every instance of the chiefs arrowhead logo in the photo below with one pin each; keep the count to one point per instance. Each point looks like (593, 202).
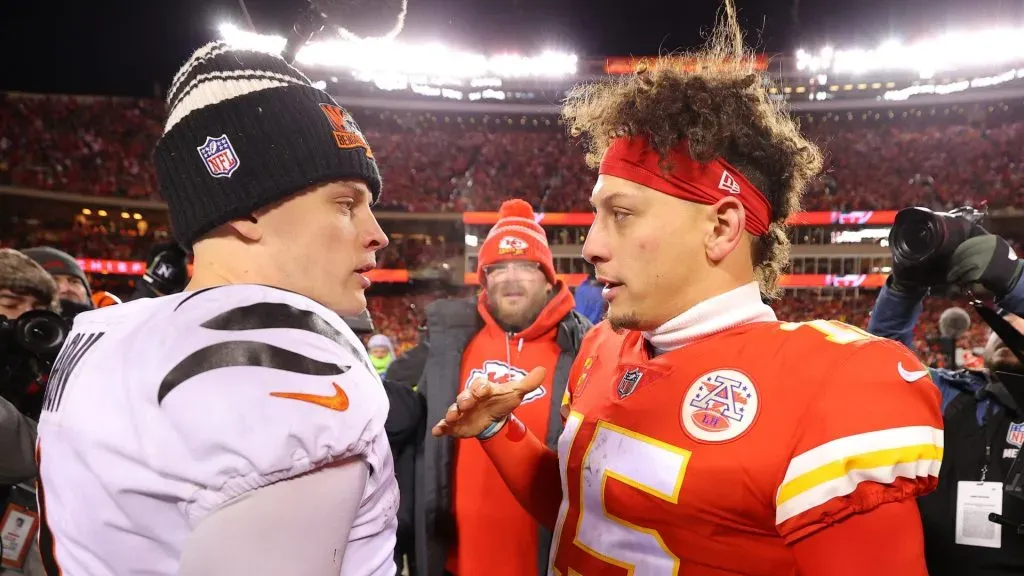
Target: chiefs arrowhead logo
(512, 246)
(501, 373)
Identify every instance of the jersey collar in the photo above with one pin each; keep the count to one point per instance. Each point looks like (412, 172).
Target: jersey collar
(739, 306)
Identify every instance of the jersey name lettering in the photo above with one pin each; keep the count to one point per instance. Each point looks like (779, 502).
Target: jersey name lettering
(70, 356)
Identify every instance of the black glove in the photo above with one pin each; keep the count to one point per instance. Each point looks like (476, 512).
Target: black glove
(988, 260)
(914, 280)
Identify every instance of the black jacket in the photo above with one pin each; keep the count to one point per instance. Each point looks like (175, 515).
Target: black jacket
(434, 367)
(975, 416)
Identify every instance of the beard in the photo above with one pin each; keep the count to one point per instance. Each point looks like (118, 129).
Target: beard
(517, 318)
(625, 321)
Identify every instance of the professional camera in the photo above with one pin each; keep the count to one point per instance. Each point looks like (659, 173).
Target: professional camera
(924, 239)
(28, 348)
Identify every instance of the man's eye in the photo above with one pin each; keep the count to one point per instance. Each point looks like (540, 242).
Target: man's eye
(619, 215)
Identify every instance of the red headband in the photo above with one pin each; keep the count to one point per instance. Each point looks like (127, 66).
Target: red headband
(633, 159)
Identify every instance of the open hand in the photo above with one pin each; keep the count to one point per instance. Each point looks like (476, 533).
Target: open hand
(484, 402)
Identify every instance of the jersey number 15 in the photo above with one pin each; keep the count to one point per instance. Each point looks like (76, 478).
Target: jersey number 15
(641, 462)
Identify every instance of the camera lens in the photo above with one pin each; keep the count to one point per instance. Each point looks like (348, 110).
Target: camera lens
(916, 235)
(920, 240)
(41, 333)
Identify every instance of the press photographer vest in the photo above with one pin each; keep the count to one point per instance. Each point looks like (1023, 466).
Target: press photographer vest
(963, 459)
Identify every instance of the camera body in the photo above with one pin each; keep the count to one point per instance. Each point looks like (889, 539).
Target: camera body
(921, 238)
(29, 346)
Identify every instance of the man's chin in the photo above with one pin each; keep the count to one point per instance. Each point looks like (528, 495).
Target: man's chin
(625, 320)
(352, 305)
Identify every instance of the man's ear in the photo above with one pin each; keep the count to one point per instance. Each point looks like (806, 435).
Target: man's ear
(248, 228)
(727, 230)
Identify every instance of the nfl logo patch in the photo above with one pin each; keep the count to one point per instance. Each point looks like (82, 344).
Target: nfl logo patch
(1015, 435)
(219, 156)
(630, 380)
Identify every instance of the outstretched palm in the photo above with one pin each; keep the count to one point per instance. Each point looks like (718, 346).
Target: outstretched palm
(484, 402)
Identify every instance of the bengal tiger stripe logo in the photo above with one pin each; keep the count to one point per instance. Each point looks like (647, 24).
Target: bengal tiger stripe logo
(346, 134)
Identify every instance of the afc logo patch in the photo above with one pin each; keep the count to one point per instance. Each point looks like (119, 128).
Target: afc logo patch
(346, 134)
(1015, 435)
(719, 406)
(512, 246)
(219, 156)
(501, 373)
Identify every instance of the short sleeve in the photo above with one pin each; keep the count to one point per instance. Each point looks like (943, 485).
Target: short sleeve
(873, 435)
(260, 388)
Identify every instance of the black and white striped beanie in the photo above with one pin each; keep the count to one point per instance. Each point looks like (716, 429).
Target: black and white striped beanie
(244, 130)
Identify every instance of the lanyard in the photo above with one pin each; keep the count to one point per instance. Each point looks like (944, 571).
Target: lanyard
(989, 430)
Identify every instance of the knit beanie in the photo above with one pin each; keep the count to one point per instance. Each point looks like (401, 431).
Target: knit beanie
(516, 236)
(244, 130)
(23, 275)
(58, 263)
(381, 341)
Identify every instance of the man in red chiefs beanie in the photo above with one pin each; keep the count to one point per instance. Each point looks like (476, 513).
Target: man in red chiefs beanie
(516, 266)
(524, 317)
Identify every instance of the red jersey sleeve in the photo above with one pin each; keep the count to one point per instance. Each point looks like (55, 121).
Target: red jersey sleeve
(872, 435)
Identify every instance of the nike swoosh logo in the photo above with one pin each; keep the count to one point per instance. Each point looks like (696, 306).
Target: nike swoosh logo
(908, 375)
(337, 401)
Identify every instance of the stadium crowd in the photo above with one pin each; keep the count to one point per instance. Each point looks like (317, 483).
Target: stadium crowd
(100, 146)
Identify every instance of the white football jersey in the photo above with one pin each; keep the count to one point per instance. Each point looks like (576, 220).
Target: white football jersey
(159, 411)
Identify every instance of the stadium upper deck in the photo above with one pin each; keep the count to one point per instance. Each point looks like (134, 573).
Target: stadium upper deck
(954, 68)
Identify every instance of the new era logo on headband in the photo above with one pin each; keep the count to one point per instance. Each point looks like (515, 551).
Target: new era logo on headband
(219, 156)
(345, 135)
(728, 183)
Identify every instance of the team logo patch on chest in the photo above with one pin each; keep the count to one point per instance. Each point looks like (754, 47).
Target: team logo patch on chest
(501, 373)
(719, 406)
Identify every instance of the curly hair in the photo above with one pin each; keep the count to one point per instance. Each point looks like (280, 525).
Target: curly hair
(718, 104)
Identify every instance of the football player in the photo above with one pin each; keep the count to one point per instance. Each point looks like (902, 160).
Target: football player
(703, 436)
(236, 427)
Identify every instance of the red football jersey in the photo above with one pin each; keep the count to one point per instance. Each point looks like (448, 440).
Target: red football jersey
(711, 459)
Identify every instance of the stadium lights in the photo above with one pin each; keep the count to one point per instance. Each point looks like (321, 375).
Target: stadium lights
(954, 51)
(952, 87)
(374, 57)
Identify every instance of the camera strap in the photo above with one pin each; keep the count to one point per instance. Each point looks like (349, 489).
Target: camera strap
(1013, 339)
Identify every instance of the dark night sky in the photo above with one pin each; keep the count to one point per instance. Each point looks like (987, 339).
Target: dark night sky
(124, 46)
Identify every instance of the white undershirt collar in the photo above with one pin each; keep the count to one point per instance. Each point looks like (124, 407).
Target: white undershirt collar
(738, 306)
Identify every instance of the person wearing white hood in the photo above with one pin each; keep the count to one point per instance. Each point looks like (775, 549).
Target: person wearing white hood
(382, 352)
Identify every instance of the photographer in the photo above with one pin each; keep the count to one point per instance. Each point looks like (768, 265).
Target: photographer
(981, 439)
(26, 290)
(24, 287)
(73, 290)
